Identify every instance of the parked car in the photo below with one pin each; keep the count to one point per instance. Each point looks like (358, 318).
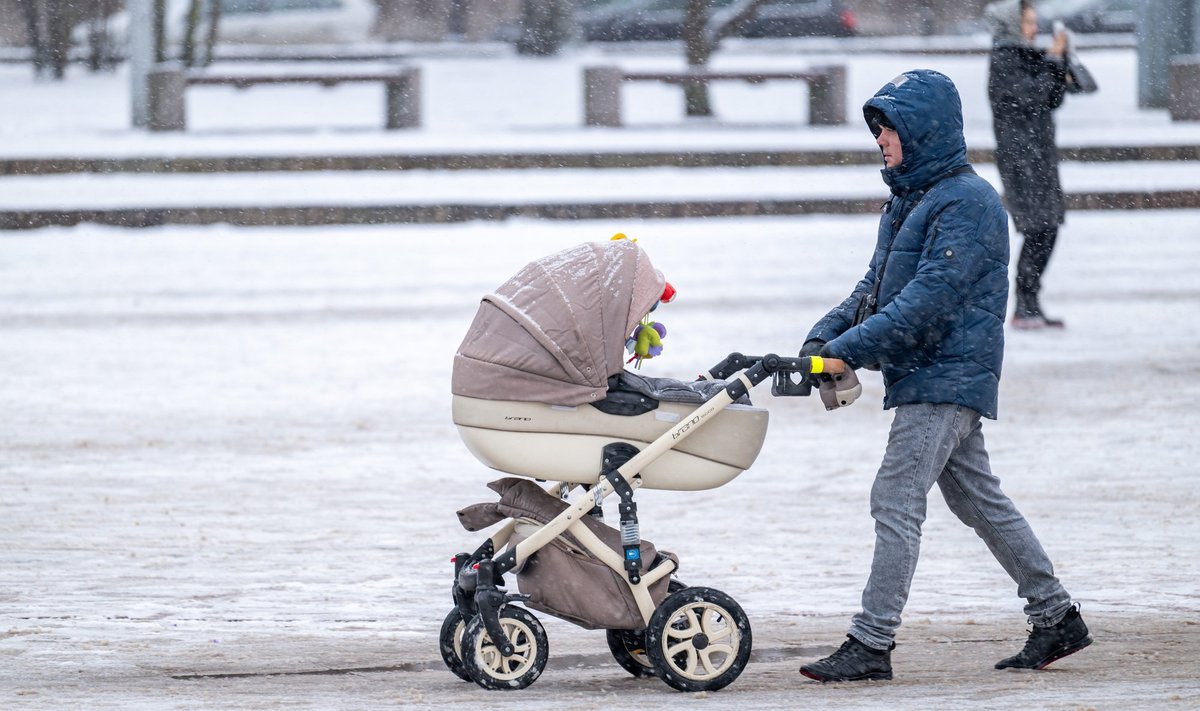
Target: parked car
(1089, 15)
(632, 20)
(260, 22)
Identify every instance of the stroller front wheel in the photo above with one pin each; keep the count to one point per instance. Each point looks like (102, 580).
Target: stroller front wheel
(699, 640)
(491, 669)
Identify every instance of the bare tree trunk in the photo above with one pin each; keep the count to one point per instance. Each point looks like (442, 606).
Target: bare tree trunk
(159, 9)
(545, 26)
(100, 44)
(214, 23)
(36, 42)
(187, 49)
(58, 36)
(701, 36)
(698, 50)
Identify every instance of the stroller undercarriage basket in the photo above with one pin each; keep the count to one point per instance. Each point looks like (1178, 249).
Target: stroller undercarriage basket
(564, 578)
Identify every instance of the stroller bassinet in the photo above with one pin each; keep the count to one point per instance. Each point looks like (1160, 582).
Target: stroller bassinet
(539, 386)
(540, 391)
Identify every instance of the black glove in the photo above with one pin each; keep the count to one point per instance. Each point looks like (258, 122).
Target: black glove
(811, 347)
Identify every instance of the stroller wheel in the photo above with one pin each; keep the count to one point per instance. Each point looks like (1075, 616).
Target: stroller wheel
(628, 647)
(450, 642)
(492, 670)
(698, 640)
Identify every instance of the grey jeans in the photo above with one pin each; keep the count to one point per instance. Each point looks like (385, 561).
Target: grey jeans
(944, 444)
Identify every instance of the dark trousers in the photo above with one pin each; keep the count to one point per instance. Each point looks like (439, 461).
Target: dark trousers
(1035, 255)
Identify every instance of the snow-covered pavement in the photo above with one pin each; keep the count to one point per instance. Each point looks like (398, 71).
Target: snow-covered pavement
(229, 474)
(518, 187)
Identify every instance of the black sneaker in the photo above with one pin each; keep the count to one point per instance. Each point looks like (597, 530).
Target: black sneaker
(854, 661)
(1036, 322)
(1049, 644)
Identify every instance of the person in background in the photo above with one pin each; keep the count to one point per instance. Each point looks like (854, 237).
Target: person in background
(1025, 86)
(929, 313)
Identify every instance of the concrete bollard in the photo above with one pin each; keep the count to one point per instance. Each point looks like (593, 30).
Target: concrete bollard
(602, 96)
(1184, 98)
(165, 87)
(827, 97)
(404, 100)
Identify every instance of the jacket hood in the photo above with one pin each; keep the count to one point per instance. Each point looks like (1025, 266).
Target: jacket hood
(1004, 20)
(926, 110)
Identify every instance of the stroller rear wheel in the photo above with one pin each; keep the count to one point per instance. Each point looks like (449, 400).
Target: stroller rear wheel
(699, 640)
(491, 669)
(450, 643)
(628, 647)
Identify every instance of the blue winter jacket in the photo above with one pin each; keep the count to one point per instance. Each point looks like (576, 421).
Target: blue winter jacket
(937, 329)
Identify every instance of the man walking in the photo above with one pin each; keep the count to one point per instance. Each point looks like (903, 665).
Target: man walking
(930, 314)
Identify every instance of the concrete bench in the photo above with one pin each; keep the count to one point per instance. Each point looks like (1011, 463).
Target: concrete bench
(168, 83)
(826, 90)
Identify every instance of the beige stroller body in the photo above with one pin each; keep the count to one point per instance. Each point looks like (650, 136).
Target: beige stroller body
(564, 443)
(540, 392)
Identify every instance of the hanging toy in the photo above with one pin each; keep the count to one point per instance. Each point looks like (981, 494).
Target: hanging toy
(645, 342)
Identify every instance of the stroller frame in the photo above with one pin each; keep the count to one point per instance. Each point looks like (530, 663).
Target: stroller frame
(478, 635)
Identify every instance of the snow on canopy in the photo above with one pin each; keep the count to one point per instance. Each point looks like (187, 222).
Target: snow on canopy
(556, 331)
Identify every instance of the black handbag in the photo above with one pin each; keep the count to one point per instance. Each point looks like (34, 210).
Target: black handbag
(1079, 78)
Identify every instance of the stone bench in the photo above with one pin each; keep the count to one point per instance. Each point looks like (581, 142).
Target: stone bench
(167, 85)
(826, 89)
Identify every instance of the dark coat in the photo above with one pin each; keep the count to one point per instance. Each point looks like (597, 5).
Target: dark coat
(938, 330)
(1024, 88)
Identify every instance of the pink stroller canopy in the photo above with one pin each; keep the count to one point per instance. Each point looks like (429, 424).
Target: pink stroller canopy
(556, 331)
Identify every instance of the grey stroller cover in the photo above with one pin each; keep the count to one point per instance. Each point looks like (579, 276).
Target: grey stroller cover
(556, 331)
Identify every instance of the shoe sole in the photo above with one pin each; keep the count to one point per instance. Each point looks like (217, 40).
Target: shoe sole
(873, 676)
(1067, 651)
(1024, 325)
(1064, 652)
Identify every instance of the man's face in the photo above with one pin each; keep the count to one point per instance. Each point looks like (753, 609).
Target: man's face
(889, 142)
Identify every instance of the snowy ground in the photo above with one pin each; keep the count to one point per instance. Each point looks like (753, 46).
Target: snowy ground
(229, 474)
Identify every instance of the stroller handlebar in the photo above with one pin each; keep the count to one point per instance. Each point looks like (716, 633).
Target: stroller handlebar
(808, 365)
(781, 368)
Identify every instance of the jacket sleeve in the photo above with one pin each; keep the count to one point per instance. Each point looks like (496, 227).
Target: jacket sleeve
(952, 259)
(839, 318)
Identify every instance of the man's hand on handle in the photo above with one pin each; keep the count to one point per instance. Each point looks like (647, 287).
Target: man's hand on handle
(840, 389)
(837, 389)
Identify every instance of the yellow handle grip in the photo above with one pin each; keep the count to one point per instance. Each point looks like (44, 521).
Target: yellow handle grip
(827, 365)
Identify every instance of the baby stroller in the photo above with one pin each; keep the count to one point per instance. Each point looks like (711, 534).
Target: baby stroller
(540, 392)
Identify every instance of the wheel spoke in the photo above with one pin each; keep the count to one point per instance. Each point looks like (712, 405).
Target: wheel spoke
(690, 665)
(716, 627)
(693, 625)
(722, 661)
